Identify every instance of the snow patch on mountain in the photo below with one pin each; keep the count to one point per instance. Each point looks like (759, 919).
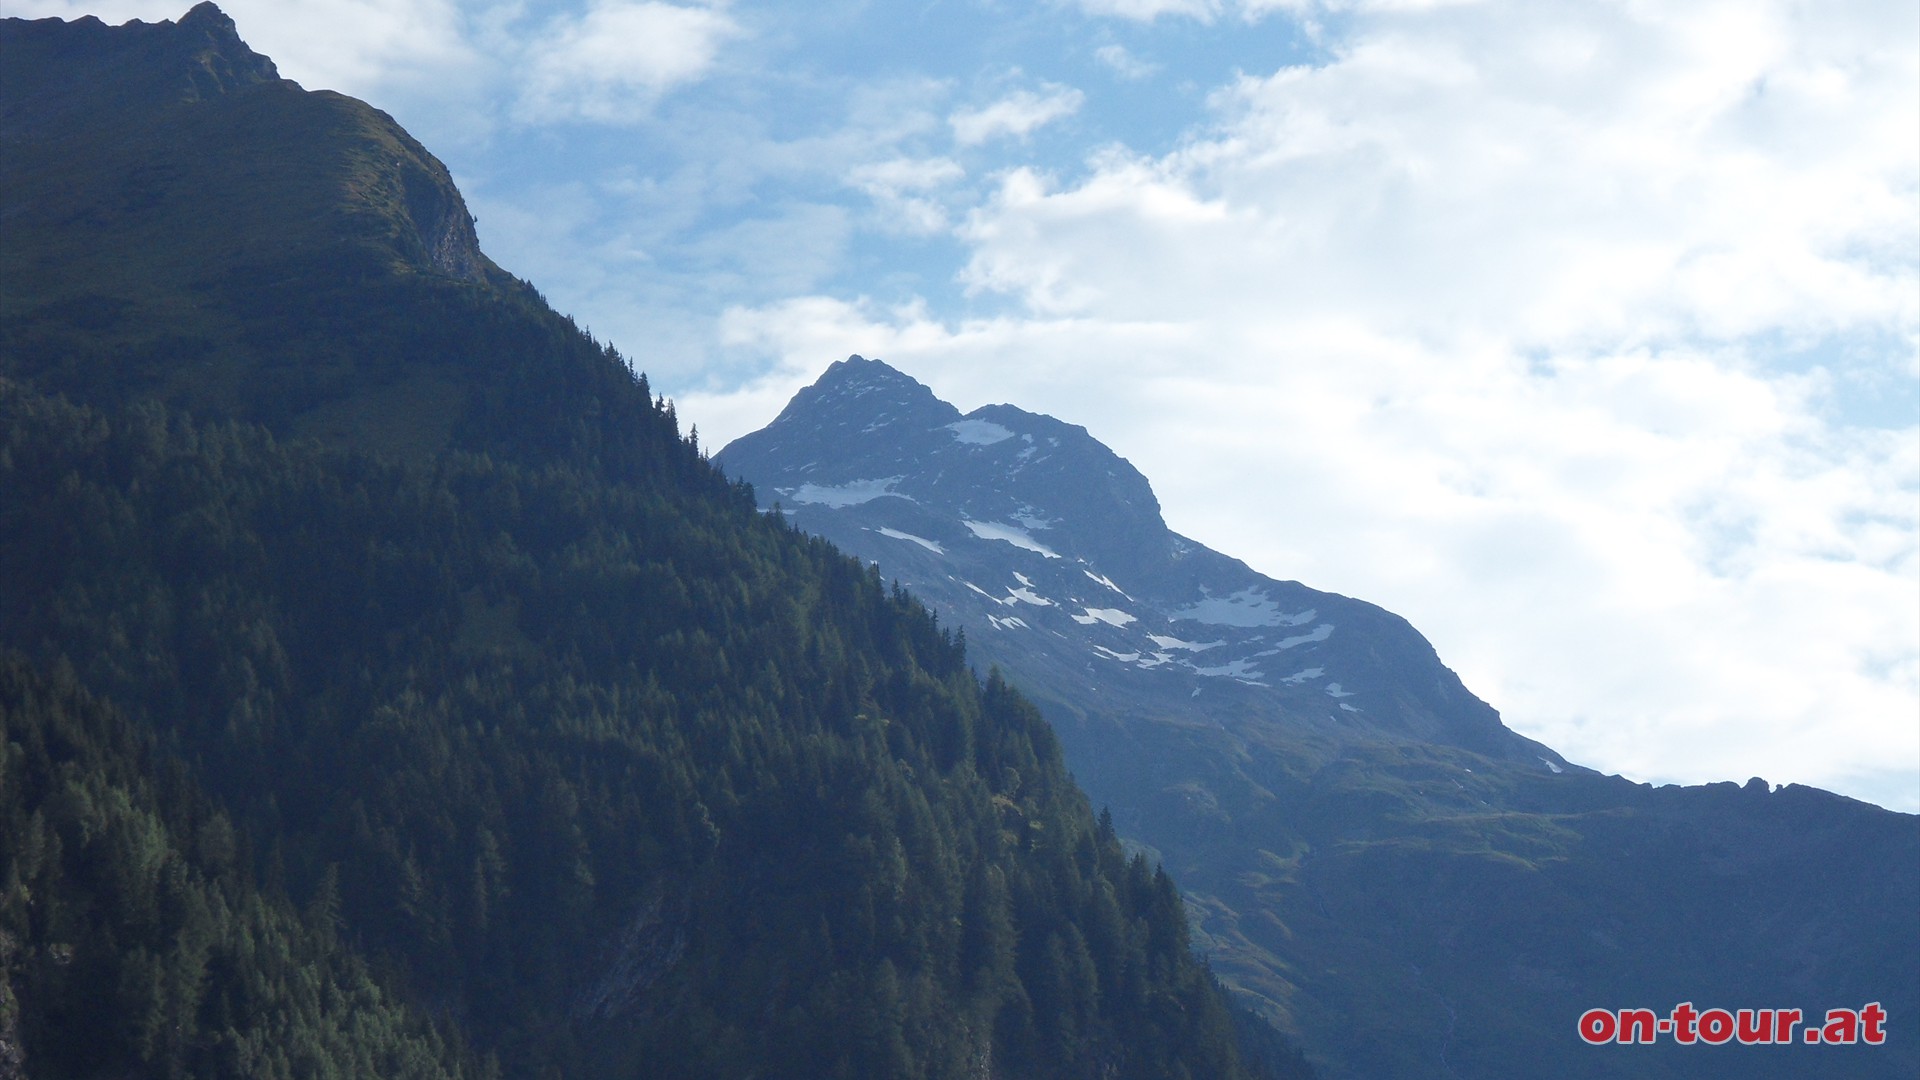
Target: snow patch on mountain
(851, 493)
(979, 432)
(1304, 675)
(930, 545)
(1319, 633)
(1022, 595)
(1166, 642)
(1334, 691)
(1248, 607)
(1110, 616)
(1011, 534)
(986, 594)
(1104, 581)
(1236, 669)
(999, 623)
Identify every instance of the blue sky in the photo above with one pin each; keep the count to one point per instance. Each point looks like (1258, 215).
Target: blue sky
(1584, 334)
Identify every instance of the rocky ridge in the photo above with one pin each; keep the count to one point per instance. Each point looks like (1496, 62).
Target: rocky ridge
(1051, 551)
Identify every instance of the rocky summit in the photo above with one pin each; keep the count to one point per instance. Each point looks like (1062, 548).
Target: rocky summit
(1050, 550)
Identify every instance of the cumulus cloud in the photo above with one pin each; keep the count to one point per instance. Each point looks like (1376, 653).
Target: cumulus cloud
(902, 190)
(1149, 10)
(1532, 323)
(1016, 115)
(1124, 63)
(611, 63)
(1450, 175)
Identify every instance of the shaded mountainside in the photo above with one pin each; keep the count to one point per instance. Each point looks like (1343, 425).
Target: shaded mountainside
(391, 690)
(182, 225)
(1369, 855)
(130, 929)
(601, 774)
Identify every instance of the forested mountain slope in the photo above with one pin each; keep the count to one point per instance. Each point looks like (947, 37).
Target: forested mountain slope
(390, 689)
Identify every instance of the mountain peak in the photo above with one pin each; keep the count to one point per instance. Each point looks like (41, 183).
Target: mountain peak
(872, 390)
(60, 72)
(1051, 549)
(858, 370)
(206, 17)
(219, 61)
(866, 430)
(209, 13)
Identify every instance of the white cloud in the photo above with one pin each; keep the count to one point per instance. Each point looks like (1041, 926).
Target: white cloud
(367, 48)
(899, 174)
(1149, 10)
(1437, 177)
(1017, 115)
(1124, 63)
(612, 63)
(902, 190)
(1530, 323)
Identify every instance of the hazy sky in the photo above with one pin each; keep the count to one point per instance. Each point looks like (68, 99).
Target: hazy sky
(1584, 334)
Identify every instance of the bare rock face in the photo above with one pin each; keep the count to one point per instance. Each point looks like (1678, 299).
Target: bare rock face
(442, 223)
(645, 949)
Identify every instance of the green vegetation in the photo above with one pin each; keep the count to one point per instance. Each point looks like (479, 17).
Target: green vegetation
(131, 932)
(605, 773)
(393, 691)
